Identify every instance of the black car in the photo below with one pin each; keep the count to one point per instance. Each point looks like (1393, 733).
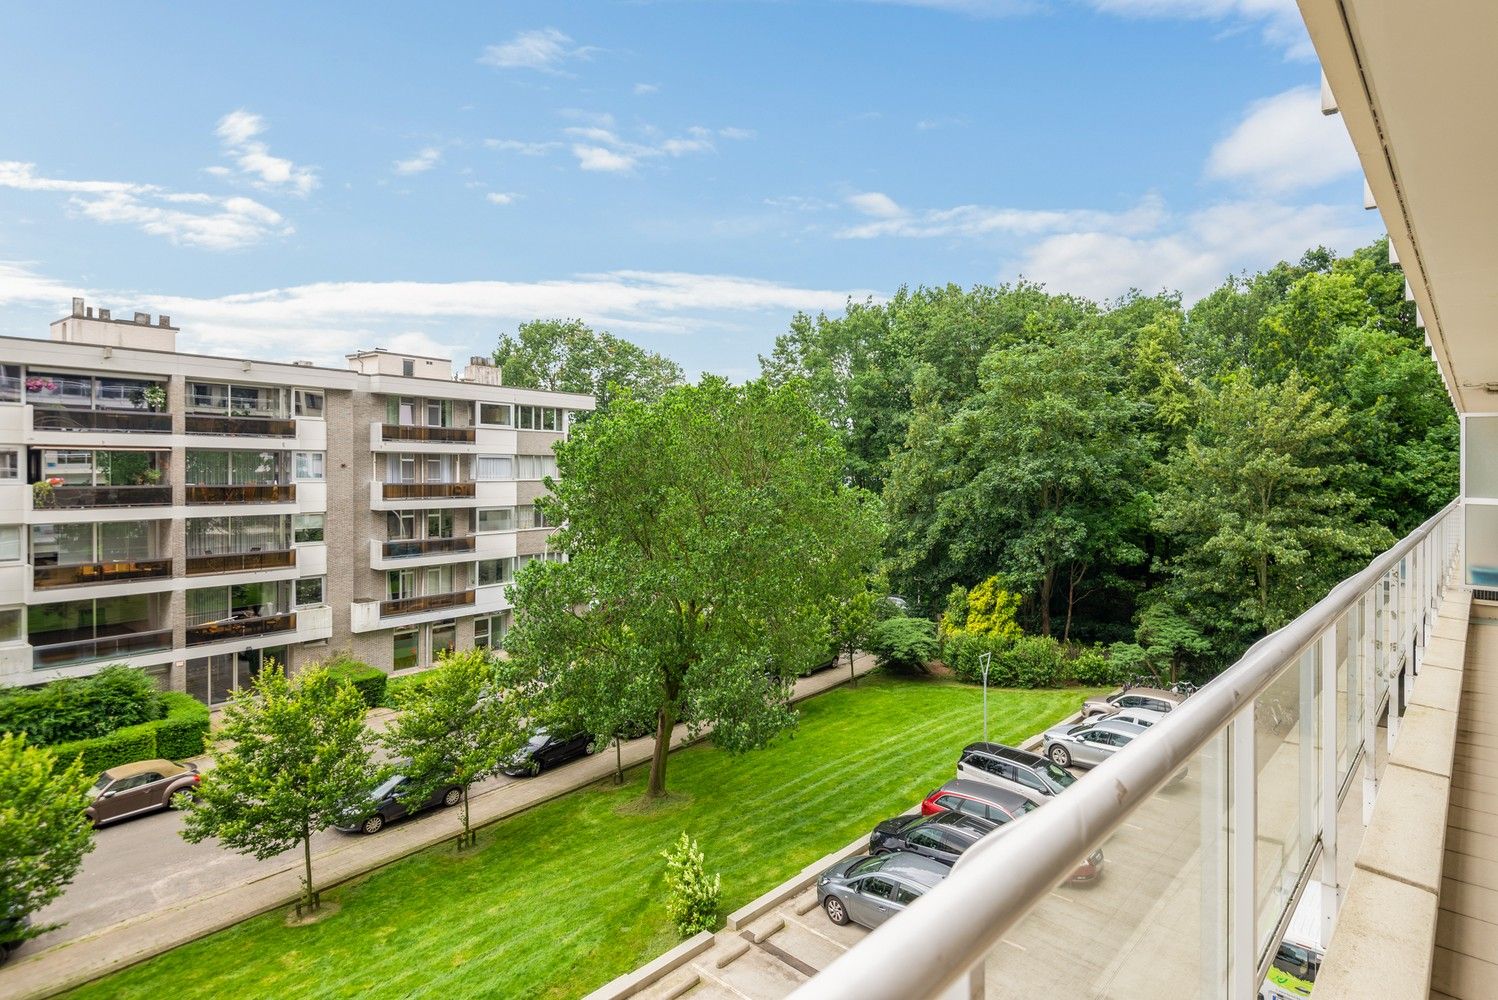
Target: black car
(942, 837)
(545, 750)
(386, 807)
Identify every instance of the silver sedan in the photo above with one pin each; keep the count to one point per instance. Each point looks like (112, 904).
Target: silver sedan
(1087, 744)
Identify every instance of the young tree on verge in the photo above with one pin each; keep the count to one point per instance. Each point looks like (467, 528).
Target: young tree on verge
(570, 356)
(295, 758)
(705, 535)
(43, 834)
(463, 724)
(851, 618)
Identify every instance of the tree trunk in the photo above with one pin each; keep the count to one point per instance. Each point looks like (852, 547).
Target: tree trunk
(618, 762)
(852, 672)
(664, 721)
(467, 833)
(307, 897)
(1047, 586)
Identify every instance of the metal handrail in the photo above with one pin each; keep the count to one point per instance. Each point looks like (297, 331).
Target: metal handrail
(937, 941)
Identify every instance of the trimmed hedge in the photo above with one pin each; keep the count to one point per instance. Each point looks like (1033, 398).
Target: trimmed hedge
(182, 733)
(368, 681)
(80, 708)
(396, 686)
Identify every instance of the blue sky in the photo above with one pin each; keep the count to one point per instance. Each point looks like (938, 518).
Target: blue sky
(303, 180)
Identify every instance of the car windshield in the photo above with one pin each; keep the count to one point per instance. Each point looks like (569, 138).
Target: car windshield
(390, 785)
(1074, 730)
(539, 740)
(867, 865)
(101, 784)
(1059, 776)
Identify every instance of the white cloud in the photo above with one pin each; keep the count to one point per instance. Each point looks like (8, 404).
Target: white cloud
(1279, 20)
(597, 158)
(544, 49)
(501, 197)
(641, 89)
(737, 133)
(1283, 143)
(979, 221)
(523, 148)
(876, 203)
(972, 8)
(19, 284)
(219, 224)
(237, 131)
(420, 163)
(681, 147)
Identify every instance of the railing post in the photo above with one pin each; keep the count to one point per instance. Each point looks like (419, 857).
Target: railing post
(1331, 890)
(1243, 945)
(1391, 654)
(968, 987)
(1368, 671)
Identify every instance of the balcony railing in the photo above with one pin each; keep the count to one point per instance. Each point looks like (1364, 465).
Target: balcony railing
(240, 562)
(240, 628)
(413, 432)
(408, 547)
(63, 654)
(227, 426)
(61, 418)
(268, 493)
(80, 574)
(1259, 763)
(431, 602)
(427, 491)
(75, 497)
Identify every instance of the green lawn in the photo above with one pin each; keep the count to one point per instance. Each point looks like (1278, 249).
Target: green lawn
(559, 900)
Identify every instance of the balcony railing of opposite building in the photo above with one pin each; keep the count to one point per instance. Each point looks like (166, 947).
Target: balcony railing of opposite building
(80, 574)
(407, 547)
(240, 562)
(63, 654)
(427, 491)
(231, 426)
(415, 432)
(240, 628)
(63, 418)
(75, 497)
(431, 602)
(249, 493)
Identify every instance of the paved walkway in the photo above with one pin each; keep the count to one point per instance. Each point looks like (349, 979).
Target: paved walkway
(277, 883)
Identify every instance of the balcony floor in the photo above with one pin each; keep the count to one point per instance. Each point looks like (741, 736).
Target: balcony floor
(1466, 956)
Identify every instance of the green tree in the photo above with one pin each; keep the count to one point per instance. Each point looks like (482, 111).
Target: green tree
(461, 725)
(851, 619)
(43, 834)
(570, 356)
(293, 758)
(705, 535)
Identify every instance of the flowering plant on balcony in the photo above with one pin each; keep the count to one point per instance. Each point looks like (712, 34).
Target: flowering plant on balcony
(40, 383)
(42, 496)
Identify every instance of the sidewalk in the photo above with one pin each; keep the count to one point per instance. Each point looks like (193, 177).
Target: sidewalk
(80, 960)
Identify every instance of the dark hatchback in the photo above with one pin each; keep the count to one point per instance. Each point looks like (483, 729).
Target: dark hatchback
(386, 807)
(942, 837)
(545, 750)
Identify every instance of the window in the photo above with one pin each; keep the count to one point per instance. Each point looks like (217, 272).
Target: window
(309, 464)
(308, 527)
(10, 543)
(905, 896)
(537, 418)
(212, 536)
(496, 414)
(309, 590)
(10, 624)
(242, 601)
(400, 524)
(439, 413)
(496, 519)
(531, 517)
(444, 638)
(10, 383)
(408, 367)
(309, 403)
(407, 652)
(489, 632)
(401, 584)
(1030, 781)
(877, 887)
(487, 468)
(927, 839)
(10, 465)
(493, 571)
(535, 466)
(400, 468)
(439, 524)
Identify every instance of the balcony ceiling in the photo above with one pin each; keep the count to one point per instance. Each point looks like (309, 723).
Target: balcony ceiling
(1415, 83)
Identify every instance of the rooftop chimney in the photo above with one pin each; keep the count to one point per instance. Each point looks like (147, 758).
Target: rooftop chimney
(144, 319)
(78, 307)
(163, 320)
(103, 313)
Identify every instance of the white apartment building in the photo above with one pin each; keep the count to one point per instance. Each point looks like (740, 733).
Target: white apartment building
(196, 516)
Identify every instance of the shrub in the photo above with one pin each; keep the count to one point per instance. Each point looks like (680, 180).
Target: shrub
(1090, 667)
(1033, 661)
(81, 708)
(988, 609)
(692, 898)
(963, 652)
(397, 687)
(181, 734)
(1129, 660)
(904, 644)
(369, 681)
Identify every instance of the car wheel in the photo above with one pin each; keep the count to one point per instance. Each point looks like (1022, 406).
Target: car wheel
(1060, 757)
(374, 824)
(453, 797)
(836, 911)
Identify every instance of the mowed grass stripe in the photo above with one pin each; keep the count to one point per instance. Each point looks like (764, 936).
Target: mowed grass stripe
(560, 899)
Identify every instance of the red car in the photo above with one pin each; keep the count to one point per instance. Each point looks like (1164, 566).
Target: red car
(998, 805)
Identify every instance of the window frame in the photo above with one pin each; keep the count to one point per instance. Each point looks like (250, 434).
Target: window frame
(299, 471)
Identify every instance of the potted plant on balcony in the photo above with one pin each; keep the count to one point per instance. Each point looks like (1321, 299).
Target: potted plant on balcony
(148, 477)
(43, 493)
(152, 397)
(40, 384)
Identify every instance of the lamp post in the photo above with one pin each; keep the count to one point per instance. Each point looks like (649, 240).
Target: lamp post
(985, 659)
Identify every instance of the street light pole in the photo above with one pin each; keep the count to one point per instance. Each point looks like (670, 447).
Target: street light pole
(985, 659)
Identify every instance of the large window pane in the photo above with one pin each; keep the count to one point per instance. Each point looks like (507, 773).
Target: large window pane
(406, 651)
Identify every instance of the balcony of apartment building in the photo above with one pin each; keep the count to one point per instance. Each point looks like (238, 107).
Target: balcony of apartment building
(417, 595)
(71, 479)
(423, 537)
(410, 480)
(234, 612)
(124, 628)
(78, 403)
(97, 554)
(234, 477)
(251, 543)
(225, 409)
(422, 426)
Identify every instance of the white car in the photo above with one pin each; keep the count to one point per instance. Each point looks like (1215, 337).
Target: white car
(1138, 716)
(1085, 744)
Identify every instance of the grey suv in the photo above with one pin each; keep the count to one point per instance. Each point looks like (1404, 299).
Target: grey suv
(1030, 774)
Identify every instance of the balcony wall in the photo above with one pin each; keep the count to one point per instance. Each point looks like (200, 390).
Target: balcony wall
(413, 432)
(104, 648)
(60, 418)
(274, 493)
(82, 574)
(242, 628)
(429, 602)
(76, 497)
(226, 426)
(240, 562)
(413, 547)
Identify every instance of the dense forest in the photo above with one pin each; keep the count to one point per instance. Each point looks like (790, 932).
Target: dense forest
(1172, 483)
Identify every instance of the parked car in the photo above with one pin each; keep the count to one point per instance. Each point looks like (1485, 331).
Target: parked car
(942, 837)
(1138, 716)
(1154, 699)
(870, 890)
(545, 750)
(1087, 744)
(1030, 774)
(142, 787)
(12, 930)
(977, 798)
(385, 804)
